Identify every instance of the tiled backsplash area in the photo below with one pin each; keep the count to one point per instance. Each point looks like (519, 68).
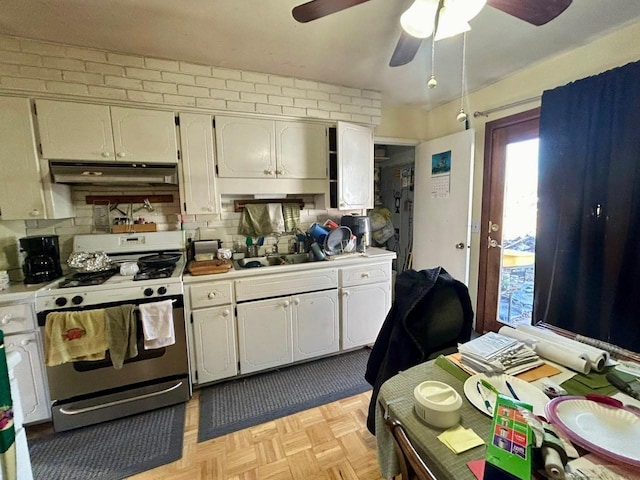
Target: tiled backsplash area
(166, 215)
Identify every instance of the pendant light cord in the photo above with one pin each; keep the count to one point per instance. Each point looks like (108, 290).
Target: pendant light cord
(464, 69)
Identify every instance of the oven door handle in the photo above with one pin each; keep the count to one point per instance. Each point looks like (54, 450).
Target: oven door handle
(77, 411)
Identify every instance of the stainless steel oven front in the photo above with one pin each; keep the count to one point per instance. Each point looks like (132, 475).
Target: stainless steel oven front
(89, 392)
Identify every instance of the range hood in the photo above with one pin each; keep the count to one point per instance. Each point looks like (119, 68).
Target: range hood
(114, 173)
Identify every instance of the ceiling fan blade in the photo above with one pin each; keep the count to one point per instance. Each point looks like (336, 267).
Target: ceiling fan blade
(321, 8)
(406, 49)
(536, 12)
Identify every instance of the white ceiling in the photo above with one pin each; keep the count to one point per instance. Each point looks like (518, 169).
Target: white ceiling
(351, 47)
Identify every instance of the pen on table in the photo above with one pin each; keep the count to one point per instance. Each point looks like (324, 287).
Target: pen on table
(484, 399)
(513, 392)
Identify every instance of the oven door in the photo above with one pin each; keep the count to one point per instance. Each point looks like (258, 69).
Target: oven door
(86, 392)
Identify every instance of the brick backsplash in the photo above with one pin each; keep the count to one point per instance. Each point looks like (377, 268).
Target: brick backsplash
(36, 67)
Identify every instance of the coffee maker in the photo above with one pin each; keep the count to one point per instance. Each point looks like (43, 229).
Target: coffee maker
(360, 226)
(42, 258)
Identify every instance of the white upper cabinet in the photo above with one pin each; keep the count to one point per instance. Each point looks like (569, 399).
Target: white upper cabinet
(301, 150)
(23, 192)
(246, 147)
(198, 166)
(355, 167)
(80, 131)
(259, 148)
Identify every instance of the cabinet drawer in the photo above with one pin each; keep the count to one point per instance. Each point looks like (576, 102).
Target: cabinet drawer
(266, 286)
(364, 274)
(17, 318)
(211, 294)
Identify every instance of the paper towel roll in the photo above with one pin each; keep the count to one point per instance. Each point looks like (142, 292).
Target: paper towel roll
(564, 356)
(596, 357)
(553, 463)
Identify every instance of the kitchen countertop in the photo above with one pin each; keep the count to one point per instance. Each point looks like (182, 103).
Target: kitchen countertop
(19, 291)
(338, 261)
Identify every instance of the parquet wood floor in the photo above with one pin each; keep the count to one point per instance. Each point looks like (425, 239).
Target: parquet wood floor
(330, 442)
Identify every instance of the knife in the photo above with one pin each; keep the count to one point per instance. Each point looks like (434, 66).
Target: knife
(624, 387)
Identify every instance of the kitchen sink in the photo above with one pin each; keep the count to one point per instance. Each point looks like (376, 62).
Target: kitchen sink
(275, 260)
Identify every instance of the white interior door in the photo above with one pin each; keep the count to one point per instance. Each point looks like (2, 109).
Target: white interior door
(442, 204)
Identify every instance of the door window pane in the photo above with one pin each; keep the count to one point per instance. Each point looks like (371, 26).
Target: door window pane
(519, 233)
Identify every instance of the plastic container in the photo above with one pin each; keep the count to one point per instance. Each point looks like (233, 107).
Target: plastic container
(318, 232)
(437, 403)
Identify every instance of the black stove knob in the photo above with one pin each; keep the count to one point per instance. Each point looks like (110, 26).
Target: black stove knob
(162, 290)
(61, 301)
(148, 292)
(77, 300)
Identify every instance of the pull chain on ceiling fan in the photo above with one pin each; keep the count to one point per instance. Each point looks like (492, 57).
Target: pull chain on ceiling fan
(535, 12)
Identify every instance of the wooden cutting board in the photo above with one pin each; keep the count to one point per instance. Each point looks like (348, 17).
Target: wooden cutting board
(208, 267)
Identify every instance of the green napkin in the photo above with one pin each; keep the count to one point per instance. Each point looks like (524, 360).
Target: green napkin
(451, 368)
(593, 382)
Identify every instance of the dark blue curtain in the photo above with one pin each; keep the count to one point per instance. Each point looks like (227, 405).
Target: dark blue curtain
(587, 272)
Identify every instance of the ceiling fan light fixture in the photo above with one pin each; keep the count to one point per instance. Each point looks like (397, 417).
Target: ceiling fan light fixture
(417, 20)
(450, 27)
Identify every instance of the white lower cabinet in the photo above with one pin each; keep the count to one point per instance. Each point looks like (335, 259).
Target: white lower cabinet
(365, 300)
(215, 343)
(278, 331)
(264, 334)
(30, 376)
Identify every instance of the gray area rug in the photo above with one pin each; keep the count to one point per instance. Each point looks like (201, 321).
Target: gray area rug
(237, 404)
(111, 450)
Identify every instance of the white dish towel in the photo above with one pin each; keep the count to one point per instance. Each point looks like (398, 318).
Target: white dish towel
(157, 324)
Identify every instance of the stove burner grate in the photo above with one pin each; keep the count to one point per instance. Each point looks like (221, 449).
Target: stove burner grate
(148, 273)
(89, 278)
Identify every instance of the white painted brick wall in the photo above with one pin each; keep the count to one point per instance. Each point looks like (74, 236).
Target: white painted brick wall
(31, 66)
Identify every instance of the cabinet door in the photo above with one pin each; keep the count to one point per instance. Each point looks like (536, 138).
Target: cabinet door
(215, 343)
(355, 166)
(198, 166)
(144, 135)
(301, 150)
(21, 195)
(264, 334)
(75, 131)
(245, 147)
(363, 310)
(315, 324)
(30, 375)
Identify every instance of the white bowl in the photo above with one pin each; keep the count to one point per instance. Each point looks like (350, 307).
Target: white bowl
(437, 403)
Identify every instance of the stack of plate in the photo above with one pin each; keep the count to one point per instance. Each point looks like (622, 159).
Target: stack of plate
(4, 279)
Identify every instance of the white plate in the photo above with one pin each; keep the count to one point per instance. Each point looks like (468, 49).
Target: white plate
(611, 432)
(526, 392)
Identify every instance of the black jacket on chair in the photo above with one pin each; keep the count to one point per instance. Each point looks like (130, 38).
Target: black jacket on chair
(431, 312)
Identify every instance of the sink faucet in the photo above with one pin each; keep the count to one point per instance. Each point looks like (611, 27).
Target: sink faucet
(275, 243)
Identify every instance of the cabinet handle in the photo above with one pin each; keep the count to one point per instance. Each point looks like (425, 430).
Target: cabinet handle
(280, 172)
(365, 275)
(5, 319)
(26, 342)
(121, 154)
(106, 154)
(210, 208)
(286, 303)
(269, 172)
(345, 293)
(296, 301)
(342, 204)
(225, 313)
(212, 295)
(35, 212)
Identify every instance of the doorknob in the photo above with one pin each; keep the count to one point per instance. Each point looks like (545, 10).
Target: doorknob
(493, 243)
(460, 246)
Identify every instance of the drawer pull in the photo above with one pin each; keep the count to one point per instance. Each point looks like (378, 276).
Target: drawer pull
(296, 301)
(365, 275)
(225, 313)
(286, 303)
(26, 342)
(6, 318)
(211, 295)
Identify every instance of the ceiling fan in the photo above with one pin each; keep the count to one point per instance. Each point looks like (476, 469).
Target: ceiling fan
(535, 12)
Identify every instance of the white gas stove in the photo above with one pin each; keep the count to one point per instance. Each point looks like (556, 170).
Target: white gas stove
(161, 258)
